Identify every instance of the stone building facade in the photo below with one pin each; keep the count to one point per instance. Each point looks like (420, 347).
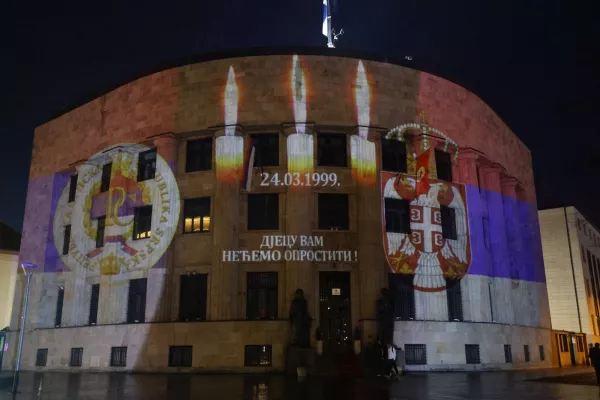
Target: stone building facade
(173, 219)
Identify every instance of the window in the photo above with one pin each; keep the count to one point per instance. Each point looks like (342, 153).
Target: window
(95, 297)
(526, 350)
(564, 343)
(542, 354)
(579, 341)
(263, 211)
(72, 188)
(403, 295)
(105, 181)
(472, 353)
(257, 355)
(66, 240)
(142, 222)
(443, 165)
(333, 211)
(180, 356)
(331, 150)
(100, 232)
(146, 165)
(261, 295)
(118, 356)
(199, 155)
(59, 307)
(397, 215)
(266, 150)
(454, 298)
(507, 354)
(448, 222)
(415, 354)
(76, 357)
(41, 358)
(486, 231)
(136, 304)
(393, 156)
(196, 215)
(192, 297)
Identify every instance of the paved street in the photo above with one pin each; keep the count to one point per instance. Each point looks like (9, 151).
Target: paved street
(487, 385)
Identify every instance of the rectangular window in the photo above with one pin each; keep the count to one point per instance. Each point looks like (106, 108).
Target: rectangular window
(196, 215)
(542, 354)
(105, 181)
(192, 297)
(333, 211)
(472, 354)
(146, 165)
(454, 298)
(41, 358)
(142, 222)
(180, 356)
(443, 165)
(136, 302)
(393, 156)
(261, 295)
(564, 344)
(448, 222)
(397, 215)
(507, 354)
(199, 155)
(59, 307)
(72, 188)
(266, 150)
(257, 355)
(100, 232)
(118, 356)
(66, 240)
(527, 355)
(579, 341)
(95, 297)
(76, 357)
(263, 211)
(415, 354)
(331, 150)
(403, 295)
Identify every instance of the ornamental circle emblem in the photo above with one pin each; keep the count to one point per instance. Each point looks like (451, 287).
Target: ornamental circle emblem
(120, 217)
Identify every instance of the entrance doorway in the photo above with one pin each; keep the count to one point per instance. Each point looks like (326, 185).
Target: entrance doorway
(335, 318)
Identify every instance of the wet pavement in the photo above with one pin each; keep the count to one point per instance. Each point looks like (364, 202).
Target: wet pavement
(450, 386)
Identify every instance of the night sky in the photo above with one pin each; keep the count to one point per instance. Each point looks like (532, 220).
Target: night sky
(536, 63)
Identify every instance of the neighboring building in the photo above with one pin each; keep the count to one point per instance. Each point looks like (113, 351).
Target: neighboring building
(571, 246)
(159, 251)
(9, 260)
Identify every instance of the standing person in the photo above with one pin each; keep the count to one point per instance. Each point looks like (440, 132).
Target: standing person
(595, 360)
(391, 360)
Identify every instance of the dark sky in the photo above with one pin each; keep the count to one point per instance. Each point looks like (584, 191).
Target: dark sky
(536, 62)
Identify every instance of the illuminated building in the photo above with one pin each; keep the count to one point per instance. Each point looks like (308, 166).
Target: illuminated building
(159, 249)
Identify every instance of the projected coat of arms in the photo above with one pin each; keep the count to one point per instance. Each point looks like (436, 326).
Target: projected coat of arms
(120, 217)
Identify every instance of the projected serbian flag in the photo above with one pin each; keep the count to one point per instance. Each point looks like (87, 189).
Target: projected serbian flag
(362, 151)
(230, 148)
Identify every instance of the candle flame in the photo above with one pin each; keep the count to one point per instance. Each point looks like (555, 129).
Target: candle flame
(298, 83)
(231, 103)
(363, 98)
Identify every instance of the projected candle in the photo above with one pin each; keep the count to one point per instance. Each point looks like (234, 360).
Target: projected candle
(362, 151)
(230, 148)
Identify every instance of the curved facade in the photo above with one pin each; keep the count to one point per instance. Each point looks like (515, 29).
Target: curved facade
(177, 215)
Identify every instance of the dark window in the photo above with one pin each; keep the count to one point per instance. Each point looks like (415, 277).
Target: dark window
(146, 165)
(393, 156)
(180, 356)
(331, 150)
(196, 215)
(59, 307)
(100, 232)
(397, 216)
(526, 350)
(261, 295)
(257, 355)
(472, 353)
(507, 353)
(454, 297)
(263, 211)
(76, 357)
(192, 297)
(95, 297)
(403, 294)
(136, 305)
(415, 354)
(72, 188)
(542, 354)
(266, 150)
(333, 211)
(448, 222)
(105, 181)
(579, 344)
(118, 356)
(564, 344)
(199, 155)
(41, 358)
(66, 240)
(142, 222)
(443, 165)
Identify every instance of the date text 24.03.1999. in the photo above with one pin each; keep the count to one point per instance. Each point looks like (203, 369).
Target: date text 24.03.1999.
(297, 179)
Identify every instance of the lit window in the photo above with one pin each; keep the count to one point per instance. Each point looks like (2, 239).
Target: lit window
(196, 214)
(142, 222)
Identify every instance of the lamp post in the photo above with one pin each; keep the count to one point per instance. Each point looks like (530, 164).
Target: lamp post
(24, 266)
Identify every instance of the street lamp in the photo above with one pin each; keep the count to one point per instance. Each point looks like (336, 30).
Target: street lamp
(24, 266)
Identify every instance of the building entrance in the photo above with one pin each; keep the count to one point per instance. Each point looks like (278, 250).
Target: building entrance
(335, 318)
